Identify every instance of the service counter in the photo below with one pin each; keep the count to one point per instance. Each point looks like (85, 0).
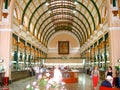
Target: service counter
(70, 77)
(16, 75)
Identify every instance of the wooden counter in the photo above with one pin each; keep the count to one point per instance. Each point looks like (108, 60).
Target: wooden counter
(16, 75)
(70, 77)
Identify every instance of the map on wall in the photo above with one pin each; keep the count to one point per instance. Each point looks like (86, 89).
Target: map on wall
(63, 47)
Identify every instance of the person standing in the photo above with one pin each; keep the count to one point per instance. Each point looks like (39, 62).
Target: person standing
(95, 77)
(57, 75)
(109, 73)
(37, 71)
(31, 71)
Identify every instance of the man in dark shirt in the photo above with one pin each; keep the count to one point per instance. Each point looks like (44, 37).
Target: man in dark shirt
(107, 83)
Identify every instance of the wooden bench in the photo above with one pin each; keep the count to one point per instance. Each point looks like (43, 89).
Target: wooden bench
(107, 88)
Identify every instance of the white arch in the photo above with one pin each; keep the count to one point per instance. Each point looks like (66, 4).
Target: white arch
(18, 12)
(63, 32)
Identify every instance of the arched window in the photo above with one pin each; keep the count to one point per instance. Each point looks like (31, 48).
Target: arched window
(15, 13)
(104, 13)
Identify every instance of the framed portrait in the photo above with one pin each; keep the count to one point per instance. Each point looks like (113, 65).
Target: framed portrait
(63, 47)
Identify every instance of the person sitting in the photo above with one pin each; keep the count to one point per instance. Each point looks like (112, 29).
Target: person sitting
(106, 83)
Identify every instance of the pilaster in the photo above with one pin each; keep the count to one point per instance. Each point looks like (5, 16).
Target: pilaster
(5, 50)
(1, 8)
(114, 33)
(114, 47)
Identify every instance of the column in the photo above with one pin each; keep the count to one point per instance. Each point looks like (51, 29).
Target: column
(29, 58)
(1, 8)
(5, 50)
(98, 56)
(119, 8)
(16, 53)
(114, 47)
(94, 56)
(34, 55)
(105, 56)
(25, 55)
(39, 56)
(114, 35)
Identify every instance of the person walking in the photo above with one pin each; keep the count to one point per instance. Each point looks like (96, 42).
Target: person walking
(95, 77)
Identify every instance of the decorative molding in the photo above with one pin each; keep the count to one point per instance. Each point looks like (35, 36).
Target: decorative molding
(55, 50)
(5, 29)
(63, 57)
(71, 64)
(5, 13)
(114, 28)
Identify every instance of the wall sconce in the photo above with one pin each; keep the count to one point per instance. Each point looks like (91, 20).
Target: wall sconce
(1, 60)
(118, 60)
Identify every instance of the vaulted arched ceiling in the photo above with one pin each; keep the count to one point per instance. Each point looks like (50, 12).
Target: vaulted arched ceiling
(43, 18)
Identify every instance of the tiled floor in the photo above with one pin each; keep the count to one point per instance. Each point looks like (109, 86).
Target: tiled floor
(84, 83)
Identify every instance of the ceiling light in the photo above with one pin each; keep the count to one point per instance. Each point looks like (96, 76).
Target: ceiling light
(49, 11)
(74, 11)
(21, 26)
(75, 3)
(47, 3)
